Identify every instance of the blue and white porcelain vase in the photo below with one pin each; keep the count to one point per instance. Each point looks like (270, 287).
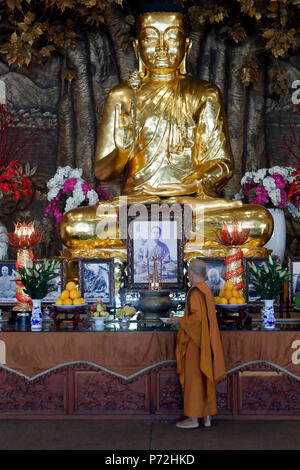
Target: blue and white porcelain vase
(268, 315)
(36, 314)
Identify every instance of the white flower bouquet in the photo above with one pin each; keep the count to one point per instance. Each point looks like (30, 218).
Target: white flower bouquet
(270, 187)
(68, 190)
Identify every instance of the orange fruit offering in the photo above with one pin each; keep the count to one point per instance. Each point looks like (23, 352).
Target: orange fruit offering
(59, 302)
(233, 301)
(223, 301)
(70, 285)
(235, 294)
(65, 294)
(68, 302)
(74, 294)
(228, 294)
(229, 285)
(222, 293)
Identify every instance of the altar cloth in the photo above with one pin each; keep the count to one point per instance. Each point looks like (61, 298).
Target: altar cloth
(127, 354)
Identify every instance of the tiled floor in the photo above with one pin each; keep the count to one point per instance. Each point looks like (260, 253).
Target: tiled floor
(147, 435)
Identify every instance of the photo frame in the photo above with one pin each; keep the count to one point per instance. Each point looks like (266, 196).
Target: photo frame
(156, 240)
(252, 297)
(294, 270)
(215, 273)
(96, 280)
(57, 284)
(8, 286)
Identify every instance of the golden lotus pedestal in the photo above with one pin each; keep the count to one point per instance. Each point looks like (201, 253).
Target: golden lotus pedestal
(153, 305)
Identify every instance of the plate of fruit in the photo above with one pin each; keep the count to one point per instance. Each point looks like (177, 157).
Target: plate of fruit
(70, 298)
(98, 310)
(229, 297)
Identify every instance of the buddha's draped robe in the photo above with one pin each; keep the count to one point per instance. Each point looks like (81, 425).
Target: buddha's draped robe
(181, 136)
(200, 359)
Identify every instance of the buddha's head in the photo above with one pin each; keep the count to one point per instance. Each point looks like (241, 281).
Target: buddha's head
(162, 45)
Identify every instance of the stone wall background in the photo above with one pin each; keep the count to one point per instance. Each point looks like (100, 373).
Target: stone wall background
(69, 114)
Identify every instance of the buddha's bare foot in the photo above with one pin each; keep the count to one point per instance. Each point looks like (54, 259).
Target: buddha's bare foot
(188, 423)
(207, 421)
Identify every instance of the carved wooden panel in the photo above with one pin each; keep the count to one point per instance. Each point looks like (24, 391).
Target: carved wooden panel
(268, 392)
(222, 392)
(169, 394)
(98, 392)
(45, 394)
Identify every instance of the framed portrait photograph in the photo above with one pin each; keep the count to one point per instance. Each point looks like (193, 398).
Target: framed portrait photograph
(96, 280)
(8, 286)
(252, 296)
(58, 283)
(294, 270)
(215, 274)
(155, 251)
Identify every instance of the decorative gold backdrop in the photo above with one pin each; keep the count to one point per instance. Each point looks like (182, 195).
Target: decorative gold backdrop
(70, 113)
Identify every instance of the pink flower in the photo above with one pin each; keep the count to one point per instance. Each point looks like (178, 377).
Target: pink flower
(69, 185)
(247, 187)
(283, 199)
(279, 180)
(262, 196)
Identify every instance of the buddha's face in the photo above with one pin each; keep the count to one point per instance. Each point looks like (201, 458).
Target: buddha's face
(162, 41)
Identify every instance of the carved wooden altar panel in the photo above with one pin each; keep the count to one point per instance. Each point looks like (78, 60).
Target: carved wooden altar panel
(224, 392)
(99, 392)
(168, 394)
(268, 391)
(44, 395)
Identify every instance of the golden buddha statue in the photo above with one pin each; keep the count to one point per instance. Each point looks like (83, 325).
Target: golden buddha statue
(168, 130)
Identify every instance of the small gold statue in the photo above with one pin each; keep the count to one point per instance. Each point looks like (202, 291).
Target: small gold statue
(168, 129)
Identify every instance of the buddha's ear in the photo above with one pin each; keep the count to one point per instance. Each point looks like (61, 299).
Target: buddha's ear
(141, 65)
(184, 63)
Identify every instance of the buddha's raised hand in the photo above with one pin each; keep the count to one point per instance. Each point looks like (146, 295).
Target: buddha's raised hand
(123, 128)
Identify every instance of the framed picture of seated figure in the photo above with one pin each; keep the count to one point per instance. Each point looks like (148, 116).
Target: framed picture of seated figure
(58, 283)
(96, 280)
(8, 286)
(294, 270)
(251, 294)
(155, 253)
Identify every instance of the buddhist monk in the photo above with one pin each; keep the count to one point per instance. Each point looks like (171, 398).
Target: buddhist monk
(199, 352)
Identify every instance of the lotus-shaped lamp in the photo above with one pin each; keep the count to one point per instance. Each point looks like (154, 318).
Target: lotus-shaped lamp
(24, 236)
(232, 236)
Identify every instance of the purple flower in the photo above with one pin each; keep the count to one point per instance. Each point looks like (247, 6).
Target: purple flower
(279, 180)
(102, 193)
(296, 198)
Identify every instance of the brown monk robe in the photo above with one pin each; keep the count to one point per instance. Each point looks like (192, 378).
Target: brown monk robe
(199, 352)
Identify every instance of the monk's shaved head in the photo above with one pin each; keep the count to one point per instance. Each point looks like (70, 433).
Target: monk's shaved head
(198, 267)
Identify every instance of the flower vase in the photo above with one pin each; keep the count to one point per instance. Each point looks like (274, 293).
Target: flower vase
(36, 314)
(278, 238)
(268, 315)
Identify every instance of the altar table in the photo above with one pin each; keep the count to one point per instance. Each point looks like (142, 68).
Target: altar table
(123, 374)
